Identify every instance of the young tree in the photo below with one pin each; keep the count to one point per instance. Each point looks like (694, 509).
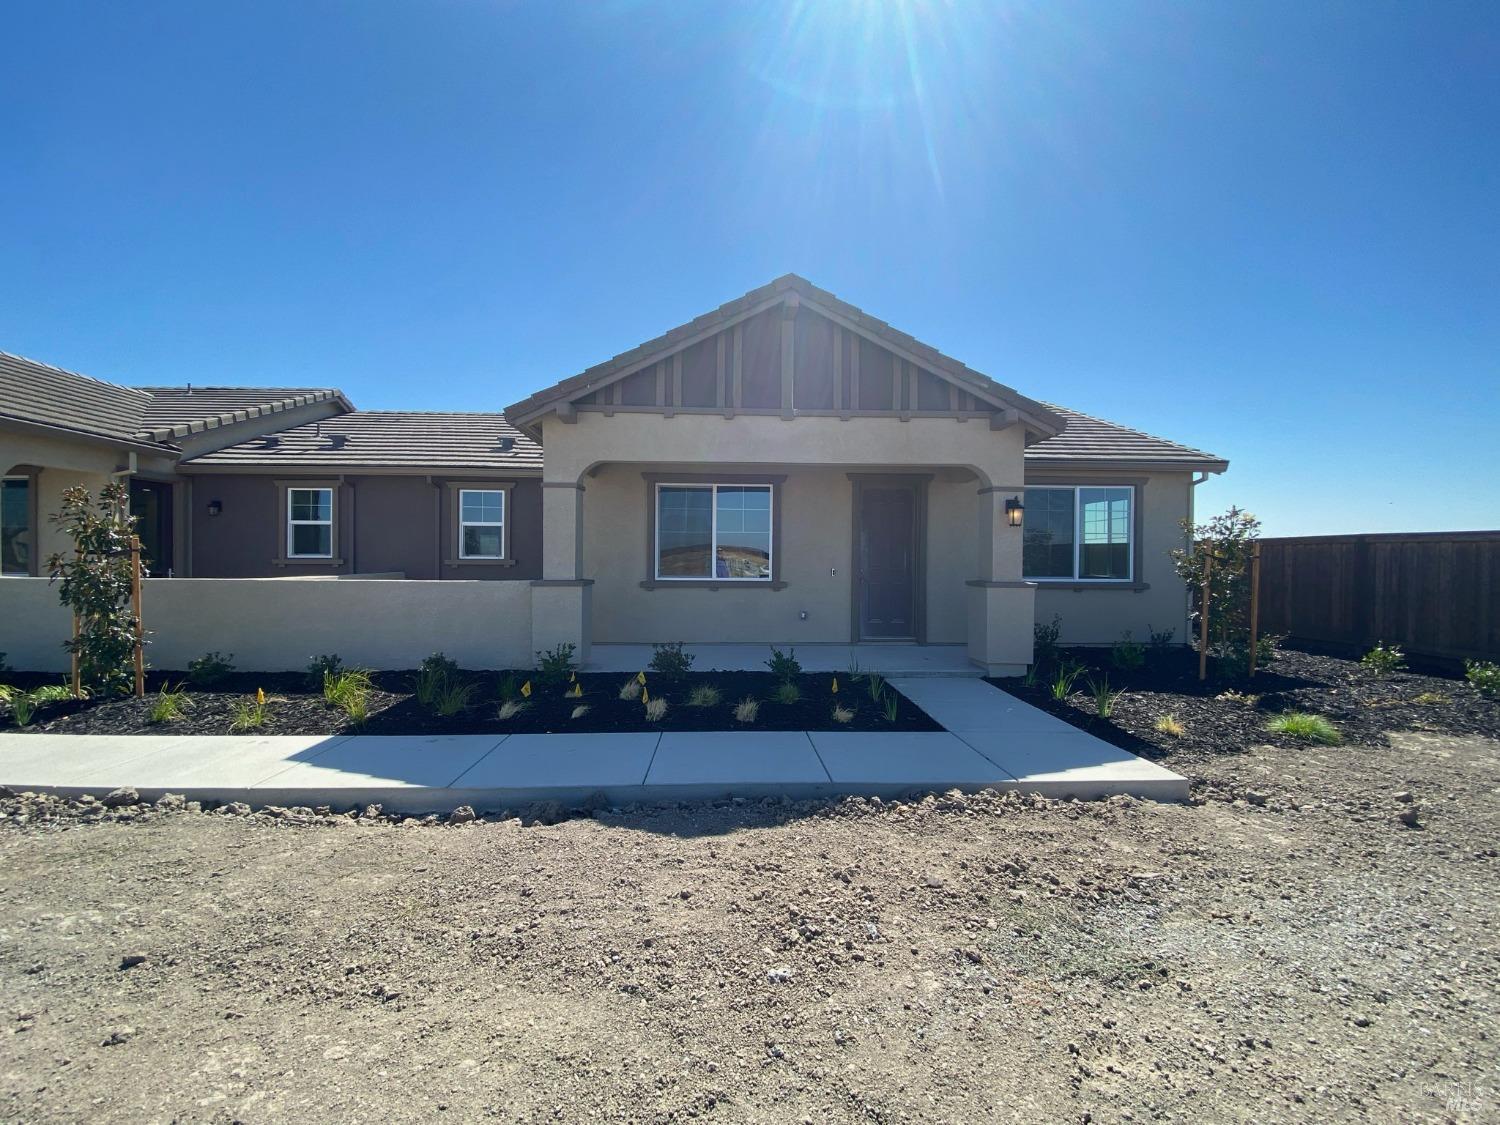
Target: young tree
(95, 583)
(1229, 538)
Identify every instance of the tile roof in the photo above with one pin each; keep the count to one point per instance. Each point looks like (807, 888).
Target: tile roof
(177, 412)
(386, 439)
(600, 373)
(39, 392)
(1085, 438)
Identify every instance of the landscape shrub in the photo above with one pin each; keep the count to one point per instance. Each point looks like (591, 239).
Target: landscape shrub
(349, 692)
(891, 706)
(670, 662)
(210, 670)
(319, 667)
(784, 665)
(1044, 640)
(1063, 680)
(746, 710)
(1169, 725)
(1230, 539)
(842, 714)
(556, 666)
(249, 714)
(1305, 727)
(1485, 676)
(580, 711)
(1161, 639)
(453, 697)
(787, 693)
(1104, 698)
(704, 695)
(656, 709)
(95, 582)
(170, 704)
(631, 689)
(1126, 654)
(511, 708)
(1384, 659)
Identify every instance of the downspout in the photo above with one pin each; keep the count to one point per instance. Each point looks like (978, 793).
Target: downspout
(437, 529)
(131, 463)
(353, 535)
(1187, 590)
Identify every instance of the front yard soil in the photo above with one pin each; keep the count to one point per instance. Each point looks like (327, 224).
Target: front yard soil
(1286, 949)
(295, 708)
(1229, 715)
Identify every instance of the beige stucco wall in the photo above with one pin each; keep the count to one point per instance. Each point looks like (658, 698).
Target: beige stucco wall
(1100, 616)
(278, 624)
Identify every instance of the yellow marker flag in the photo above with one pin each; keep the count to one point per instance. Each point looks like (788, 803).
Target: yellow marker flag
(572, 677)
(260, 696)
(640, 678)
(526, 689)
(835, 685)
(645, 696)
(577, 690)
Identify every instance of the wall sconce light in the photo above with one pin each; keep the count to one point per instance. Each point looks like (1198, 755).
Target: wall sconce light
(1013, 510)
(215, 507)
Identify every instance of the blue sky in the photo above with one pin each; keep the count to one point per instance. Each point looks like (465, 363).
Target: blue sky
(1268, 229)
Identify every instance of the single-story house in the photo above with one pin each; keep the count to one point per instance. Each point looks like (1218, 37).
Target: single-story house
(784, 468)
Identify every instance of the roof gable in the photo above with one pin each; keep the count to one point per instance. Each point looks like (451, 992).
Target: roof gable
(753, 352)
(179, 412)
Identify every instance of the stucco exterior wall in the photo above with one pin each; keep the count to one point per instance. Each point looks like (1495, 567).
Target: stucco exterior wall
(387, 524)
(277, 625)
(1100, 615)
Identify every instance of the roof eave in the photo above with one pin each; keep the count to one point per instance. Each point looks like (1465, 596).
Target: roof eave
(1157, 465)
(92, 436)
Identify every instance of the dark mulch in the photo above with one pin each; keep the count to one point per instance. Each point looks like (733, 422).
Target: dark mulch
(1363, 705)
(295, 708)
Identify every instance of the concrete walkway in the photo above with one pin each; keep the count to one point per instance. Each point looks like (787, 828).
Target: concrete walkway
(993, 740)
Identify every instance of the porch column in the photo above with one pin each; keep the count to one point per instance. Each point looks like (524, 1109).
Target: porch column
(1001, 603)
(562, 599)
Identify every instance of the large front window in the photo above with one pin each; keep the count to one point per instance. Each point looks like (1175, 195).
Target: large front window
(1080, 534)
(713, 531)
(15, 526)
(309, 523)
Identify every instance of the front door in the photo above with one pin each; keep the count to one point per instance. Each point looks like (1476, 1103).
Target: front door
(887, 562)
(151, 505)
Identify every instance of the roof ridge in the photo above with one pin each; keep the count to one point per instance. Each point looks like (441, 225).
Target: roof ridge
(75, 374)
(193, 388)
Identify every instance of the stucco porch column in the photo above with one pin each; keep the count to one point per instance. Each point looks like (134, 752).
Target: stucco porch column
(562, 599)
(1001, 604)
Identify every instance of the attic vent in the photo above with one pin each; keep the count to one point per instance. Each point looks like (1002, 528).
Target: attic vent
(337, 441)
(507, 444)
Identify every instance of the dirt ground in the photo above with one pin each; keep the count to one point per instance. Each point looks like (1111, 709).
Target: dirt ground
(1286, 949)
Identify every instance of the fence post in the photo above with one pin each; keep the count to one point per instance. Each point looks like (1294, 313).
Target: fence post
(135, 596)
(1208, 557)
(1254, 603)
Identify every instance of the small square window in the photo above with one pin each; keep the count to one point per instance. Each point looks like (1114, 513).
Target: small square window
(481, 523)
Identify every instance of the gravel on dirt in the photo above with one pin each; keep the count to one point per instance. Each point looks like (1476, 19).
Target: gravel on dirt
(1286, 948)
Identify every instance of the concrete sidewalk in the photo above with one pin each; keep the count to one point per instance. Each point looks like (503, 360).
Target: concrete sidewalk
(993, 741)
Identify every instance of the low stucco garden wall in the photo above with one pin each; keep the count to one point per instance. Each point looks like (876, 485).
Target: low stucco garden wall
(278, 624)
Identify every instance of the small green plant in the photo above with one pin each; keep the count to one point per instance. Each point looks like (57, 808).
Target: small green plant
(320, 666)
(249, 713)
(453, 697)
(1126, 655)
(1304, 727)
(511, 708)
(349, 692)
(784, 665)
(170, 704)
(630, 690)
(1044, 639)
(1033, 673)
(891, 706)
(1169, 725)
(1161, 639)
(1384, 659)
(746, 710)
(1104, 699)
(704, 695)
(786, 693)
(579, 712)
(22, 707)
(842, 714)
(53, 693)
(1239, 699)
(669, 661)
(210, 670)
(1485, 676)
(556, 666)
(875, 685)
(855, 673)
(1432, 698)
(510, 689)
(6, 691)
(439, 665)
(1064, 679)
(656, 709)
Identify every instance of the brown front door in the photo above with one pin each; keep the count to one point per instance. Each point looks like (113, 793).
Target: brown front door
(886, 562)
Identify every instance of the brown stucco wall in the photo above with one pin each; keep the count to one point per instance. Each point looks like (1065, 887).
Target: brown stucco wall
(387, 524)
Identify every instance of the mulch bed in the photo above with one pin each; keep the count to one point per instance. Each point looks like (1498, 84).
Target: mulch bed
(1363, 706)
(295, 708)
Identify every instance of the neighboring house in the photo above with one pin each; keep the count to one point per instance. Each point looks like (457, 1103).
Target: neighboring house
(783, 468)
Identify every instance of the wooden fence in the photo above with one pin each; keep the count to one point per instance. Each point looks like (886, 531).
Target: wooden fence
(1435, 594)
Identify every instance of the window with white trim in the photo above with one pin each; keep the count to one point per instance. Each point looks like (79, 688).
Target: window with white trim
(714, 532)
(309, 523)
(481, 523)
(1079, 534)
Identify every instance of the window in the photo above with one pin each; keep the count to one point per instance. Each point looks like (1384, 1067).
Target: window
(1078, 534)
(15, 526)
(481, 523)
(717, 532)
(309, 523)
